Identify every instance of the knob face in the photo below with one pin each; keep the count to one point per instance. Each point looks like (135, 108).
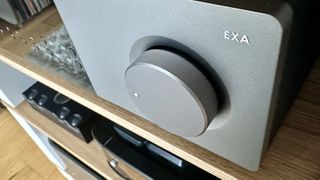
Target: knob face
(32, 94)
(63, 113)
(76, 120)
(171, 92)
(43, 99)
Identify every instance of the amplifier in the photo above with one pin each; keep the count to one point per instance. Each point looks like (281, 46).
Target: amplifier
(220, 73)
(70, 115)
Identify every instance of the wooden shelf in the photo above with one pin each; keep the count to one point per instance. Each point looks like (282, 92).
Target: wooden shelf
(90, 153)
(295, 152)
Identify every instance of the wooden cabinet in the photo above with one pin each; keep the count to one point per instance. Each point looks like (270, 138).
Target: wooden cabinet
(294, 153)
(91, 154)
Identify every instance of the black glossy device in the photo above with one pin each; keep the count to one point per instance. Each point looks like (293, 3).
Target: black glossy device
(67, 113)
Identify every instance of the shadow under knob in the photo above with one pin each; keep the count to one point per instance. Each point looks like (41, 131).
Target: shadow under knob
(171, 92)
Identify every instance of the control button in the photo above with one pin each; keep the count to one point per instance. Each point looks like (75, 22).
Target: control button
(63, 113)
(76, 120)
(60, 98)
(33, 93)
(172, 92)
(43, 99)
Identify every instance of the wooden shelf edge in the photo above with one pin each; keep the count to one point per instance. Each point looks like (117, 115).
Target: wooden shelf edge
(33, 117)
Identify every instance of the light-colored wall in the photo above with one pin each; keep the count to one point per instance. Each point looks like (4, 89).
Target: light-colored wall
(12, 84)
(7, 12)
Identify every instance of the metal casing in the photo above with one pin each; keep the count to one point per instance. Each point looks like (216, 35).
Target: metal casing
(244, 49)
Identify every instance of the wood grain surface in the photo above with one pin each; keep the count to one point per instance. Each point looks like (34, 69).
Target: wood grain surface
(294, 153)
(91, 154)
(20, 158)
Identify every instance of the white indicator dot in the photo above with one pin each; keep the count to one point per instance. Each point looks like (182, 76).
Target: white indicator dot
(135, 94)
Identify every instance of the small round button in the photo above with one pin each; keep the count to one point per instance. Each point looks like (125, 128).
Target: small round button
(43, 99)
(76, 120)
(63, 113)
(33, 93)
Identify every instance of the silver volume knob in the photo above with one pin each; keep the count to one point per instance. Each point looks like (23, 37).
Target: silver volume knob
(171, 92)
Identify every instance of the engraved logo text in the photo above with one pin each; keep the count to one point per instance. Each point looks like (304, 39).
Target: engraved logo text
(236, 37)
